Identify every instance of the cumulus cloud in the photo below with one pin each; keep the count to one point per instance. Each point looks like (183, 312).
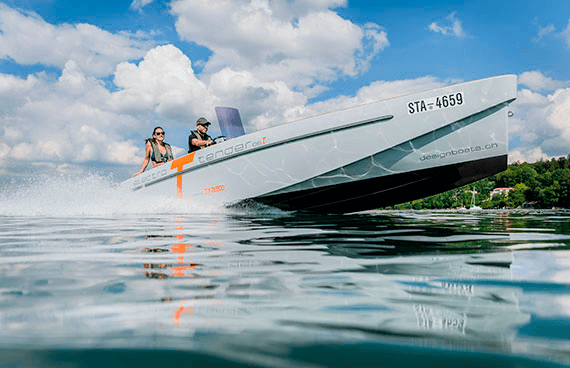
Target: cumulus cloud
(558, 118)
(163, 82)
(261, 103)
(27, 39)
(542, 119)
(13, 91)
(75, 118)
(67, 119)
(452, 27)
(537, 81)
(375, 91)
(264, 54)
(528, 154)
(301, 43)
(268, 59)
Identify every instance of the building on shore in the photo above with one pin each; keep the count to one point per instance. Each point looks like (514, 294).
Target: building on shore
(504, 191)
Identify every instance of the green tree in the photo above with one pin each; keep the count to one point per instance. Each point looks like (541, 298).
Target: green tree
(545, 182)
(562, 177)
(548, 197)
(508, 178)
(517, 196)
(527, 175)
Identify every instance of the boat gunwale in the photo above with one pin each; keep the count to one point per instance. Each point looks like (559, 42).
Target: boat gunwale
(269, 145)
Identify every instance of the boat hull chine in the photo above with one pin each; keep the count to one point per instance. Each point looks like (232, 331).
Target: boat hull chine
(386, 190)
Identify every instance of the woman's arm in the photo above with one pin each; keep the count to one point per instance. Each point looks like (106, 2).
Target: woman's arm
(146, 160)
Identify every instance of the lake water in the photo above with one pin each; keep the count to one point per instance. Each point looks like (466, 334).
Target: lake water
(90, 276)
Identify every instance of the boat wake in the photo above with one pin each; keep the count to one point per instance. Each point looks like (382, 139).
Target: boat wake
(99, 196)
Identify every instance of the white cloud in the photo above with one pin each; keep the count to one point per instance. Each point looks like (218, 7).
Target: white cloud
(4, 150)
(301, 43)
(541, 121)
(528, 154)
(163, 82)
(268, 59)
(453, 26)
(558, 119)
(543, 32)
(551, 30)
(60, 119)
(262, 51)
(261, 103)
(139, 4)
(537, 81)
(265, 104)
(376, 91)
(67, 169)
(76, 119)
(566, 34)
(13, 91)
(526, 97)
(12, 134)
(27, 39)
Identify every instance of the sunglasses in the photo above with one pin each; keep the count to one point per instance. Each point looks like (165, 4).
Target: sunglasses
(160, 133)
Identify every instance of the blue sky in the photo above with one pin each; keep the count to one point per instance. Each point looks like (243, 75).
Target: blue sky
(83, 83)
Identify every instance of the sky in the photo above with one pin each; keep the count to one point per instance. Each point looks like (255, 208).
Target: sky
(82, 84)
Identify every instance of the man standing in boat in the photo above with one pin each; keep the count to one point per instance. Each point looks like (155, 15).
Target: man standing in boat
(199, 138)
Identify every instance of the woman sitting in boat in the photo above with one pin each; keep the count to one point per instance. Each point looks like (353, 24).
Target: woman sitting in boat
(156, 150)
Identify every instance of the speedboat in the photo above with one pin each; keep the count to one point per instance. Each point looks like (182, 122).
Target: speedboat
(359, 158)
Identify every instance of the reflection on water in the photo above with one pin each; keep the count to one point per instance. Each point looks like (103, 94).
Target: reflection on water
(282, 289)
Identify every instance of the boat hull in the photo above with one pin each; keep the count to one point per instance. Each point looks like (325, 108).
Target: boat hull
(387, 190)
(360, 158)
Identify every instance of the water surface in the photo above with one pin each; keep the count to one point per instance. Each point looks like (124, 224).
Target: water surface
(101, 279)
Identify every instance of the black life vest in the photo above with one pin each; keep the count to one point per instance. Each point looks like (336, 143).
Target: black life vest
(196, 134)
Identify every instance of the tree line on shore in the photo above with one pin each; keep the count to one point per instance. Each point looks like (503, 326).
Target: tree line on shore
(543, 184)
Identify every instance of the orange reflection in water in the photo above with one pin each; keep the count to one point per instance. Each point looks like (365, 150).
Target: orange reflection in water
(182, 268)
(181, 248)
(180, 311)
